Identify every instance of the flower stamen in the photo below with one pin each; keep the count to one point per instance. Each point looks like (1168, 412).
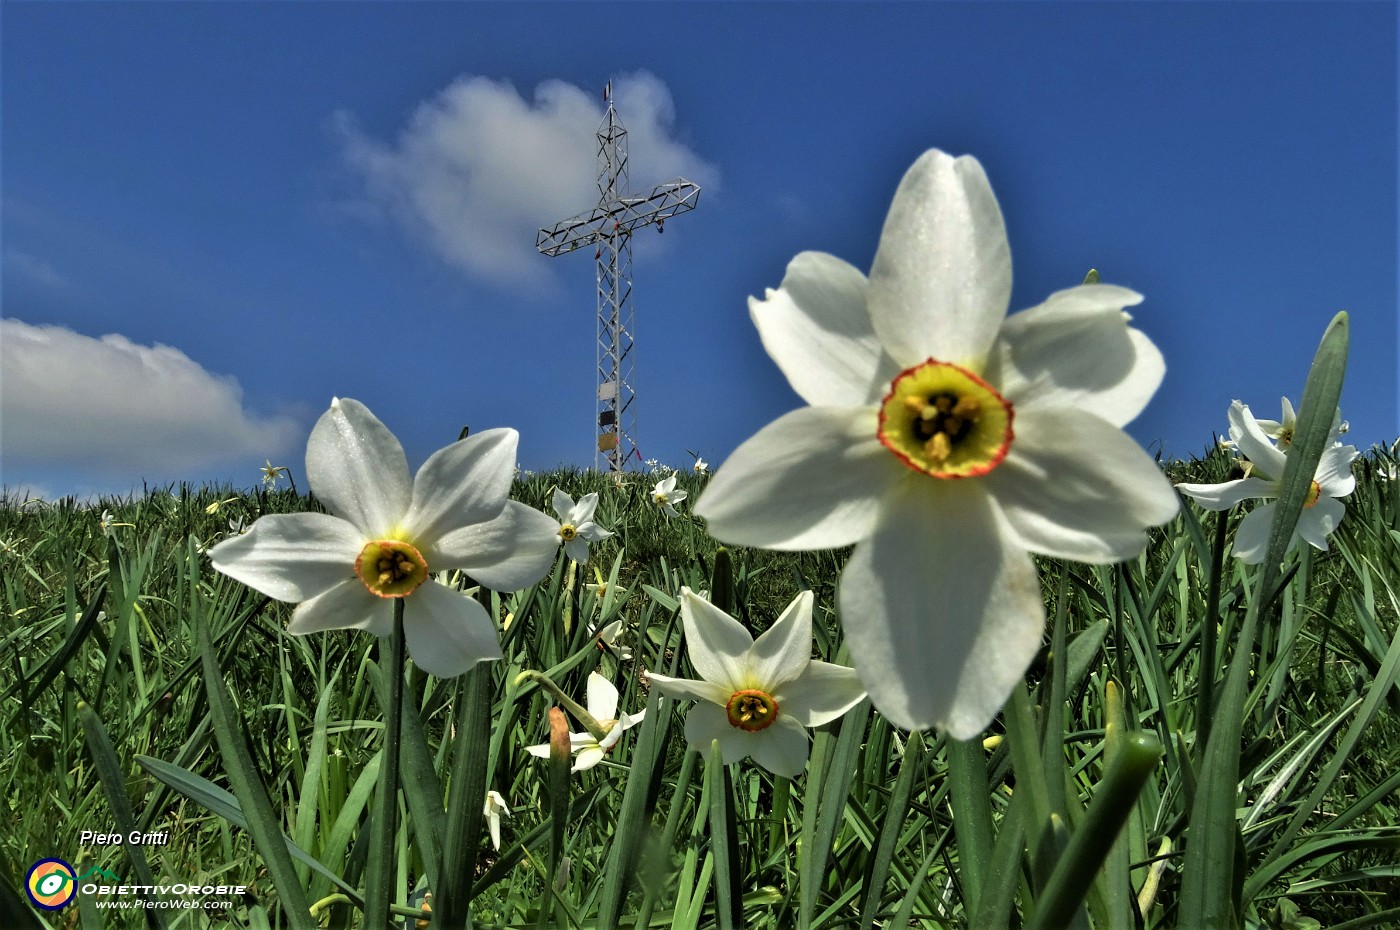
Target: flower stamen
(944, 421)
(391, 568)
(751, 710)
(568, 532)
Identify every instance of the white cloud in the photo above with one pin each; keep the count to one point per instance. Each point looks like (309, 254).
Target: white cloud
(479, 170)
(119, 411)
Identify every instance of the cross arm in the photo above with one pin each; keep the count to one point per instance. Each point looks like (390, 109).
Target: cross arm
(619, 217)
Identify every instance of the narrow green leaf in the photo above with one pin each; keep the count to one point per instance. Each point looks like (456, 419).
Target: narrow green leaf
(109, 772)
(1209, 882)
(724, 841)
(263, 822)
(892, 825)
(223, 804)
(466, 799)
(835, 787)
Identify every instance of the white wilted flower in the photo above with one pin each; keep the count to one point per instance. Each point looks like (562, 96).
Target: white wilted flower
(495, 809)
(665, 496)
(390, 533)
(576, 527)
(948, 442)
(1322, 511)
(757, 697)
(602, 706)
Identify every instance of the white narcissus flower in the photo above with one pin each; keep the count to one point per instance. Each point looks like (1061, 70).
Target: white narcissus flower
(947, 441)
(758, 696)
(610, 639)
(1281, 430)
(495, 808)
(602, 706)
(701, 466)
(665, 496)
(576, 527)
(388, 534)
(1322, 512)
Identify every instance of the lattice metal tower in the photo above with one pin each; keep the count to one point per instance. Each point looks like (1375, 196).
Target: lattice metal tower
(608, 228)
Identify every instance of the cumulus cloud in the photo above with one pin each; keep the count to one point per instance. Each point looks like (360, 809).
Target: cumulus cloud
(478, 169)
(121, 411)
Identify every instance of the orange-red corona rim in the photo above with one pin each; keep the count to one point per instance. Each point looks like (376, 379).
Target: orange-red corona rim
(751, 710)
(944, 421)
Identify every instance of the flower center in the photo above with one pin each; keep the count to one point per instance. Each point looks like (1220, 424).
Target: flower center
(660, 497)
(568, 532)
(751, 710)
(390, 568)
(944, 421)
(1314, 492)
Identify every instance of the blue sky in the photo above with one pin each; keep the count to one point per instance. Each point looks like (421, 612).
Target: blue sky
(217, 216)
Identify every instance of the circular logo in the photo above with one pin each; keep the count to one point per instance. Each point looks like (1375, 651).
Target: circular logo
(51, 884)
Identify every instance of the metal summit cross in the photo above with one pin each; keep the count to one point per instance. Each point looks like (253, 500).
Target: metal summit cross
(608, 228)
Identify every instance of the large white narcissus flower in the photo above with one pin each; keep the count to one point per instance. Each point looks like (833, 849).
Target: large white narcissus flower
(758, 696)
(390, 532)
(1322, 512)
(602, 706)
(948, 441)
(576, 526)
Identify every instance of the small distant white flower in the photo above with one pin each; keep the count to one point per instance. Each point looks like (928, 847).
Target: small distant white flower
(757, 697)
(495, 808)
(610, 638)
(665, 496)
(702, 467)
(387, 533)
(108, 523)
(272, 472)
(602, 706)
(576, 528)
(237, 526)
(1322, 511)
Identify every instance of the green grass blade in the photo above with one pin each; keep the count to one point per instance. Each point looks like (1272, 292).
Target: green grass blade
(223, 804)
(637, 798)
(15, 910)
(109, 772)
(724, 841)
(263, 823)
(835, 785)
(466, 799)
(894, 815)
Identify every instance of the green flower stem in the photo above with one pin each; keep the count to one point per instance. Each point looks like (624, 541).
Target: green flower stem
(1134, 761)
(590, 723)
(383, 828)
(1205, 681)
(970, 796)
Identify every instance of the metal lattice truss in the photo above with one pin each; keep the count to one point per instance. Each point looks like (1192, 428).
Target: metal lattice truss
(608, 228)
